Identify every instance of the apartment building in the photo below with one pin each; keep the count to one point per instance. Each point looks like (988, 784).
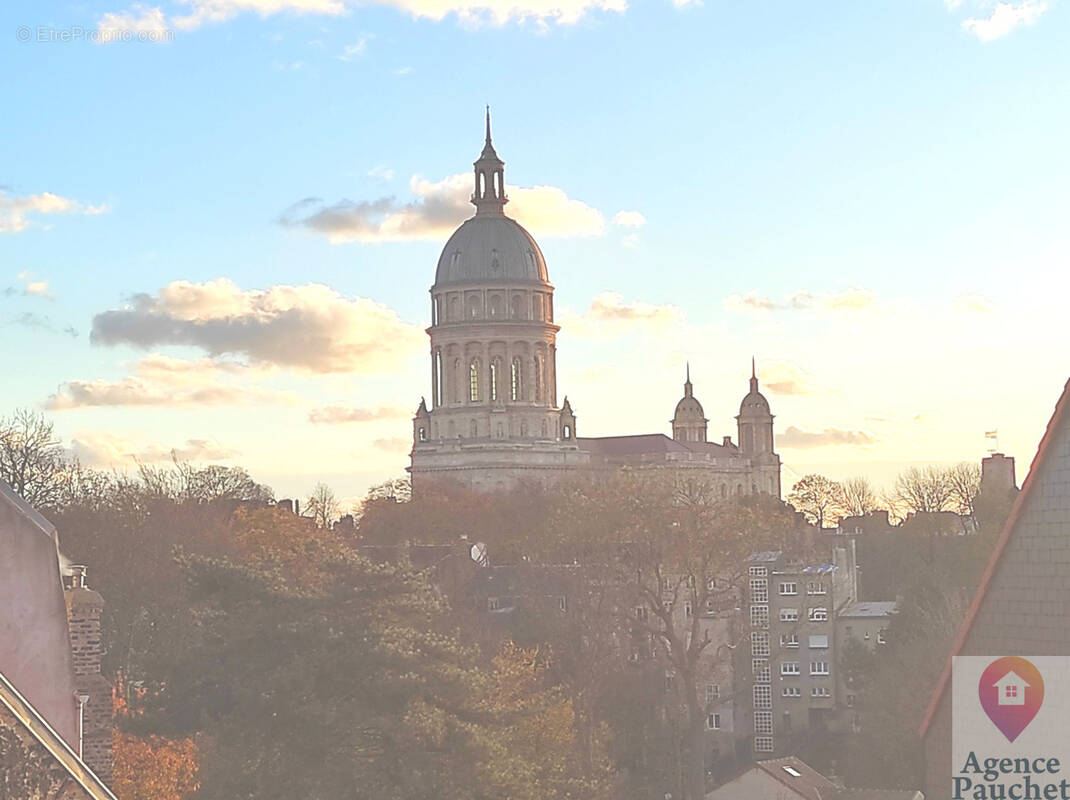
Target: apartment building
(792, 606)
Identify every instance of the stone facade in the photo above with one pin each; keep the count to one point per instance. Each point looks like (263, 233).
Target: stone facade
(493, 421)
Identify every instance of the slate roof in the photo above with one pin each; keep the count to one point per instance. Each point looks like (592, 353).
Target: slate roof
(1034, 609)
(809, 783)
(649, 444)
(881, 608)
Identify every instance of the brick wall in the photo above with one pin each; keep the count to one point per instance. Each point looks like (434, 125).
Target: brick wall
(83, 620)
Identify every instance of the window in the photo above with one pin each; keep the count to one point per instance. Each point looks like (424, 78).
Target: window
(850, 700)
(641, 613)
(538, 380)
(562, 604)
(789, 589)
(816, 587)
(567, 433)
(422, 434)
(759, 616)
(514, 380)
(473, 382)
(789, 668)
(880, 637)
(493, 604)
(763, 744)
(1010, 691)
(848, 631)
(669, 681)
(758, 572)
(494, 381)
(819, 668)
(789, 640)
(759, 644)
(763, 722)
(689, 610)
(819, 642)
(791, 691)
(793, 772)
(760, 667)
(439, 378)
(713, 691)
(713, 722)
(819, 614)
(789, 615)
(759, 590)
(763, 696)
(820, 691)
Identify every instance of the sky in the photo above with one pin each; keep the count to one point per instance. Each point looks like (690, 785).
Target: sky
(219, 219)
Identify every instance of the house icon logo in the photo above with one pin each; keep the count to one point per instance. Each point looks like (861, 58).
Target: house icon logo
(1011, 691)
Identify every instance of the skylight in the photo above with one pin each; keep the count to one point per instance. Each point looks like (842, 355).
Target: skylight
(793, 772)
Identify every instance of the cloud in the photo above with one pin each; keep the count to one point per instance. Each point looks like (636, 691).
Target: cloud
(137, 24)
(609, 314)
(101, 449)
(974, 303)
(311, 328)
(170, 382)
(784, 378)
(381, 172)
(797, 439)
(852, 299)
(354, 51)
(1005, 17)
(17, 212)
(393, 445)
(30, 287)
(629, 219)
(469, 12)
(333, 415)
(36, 322)
(438, 209)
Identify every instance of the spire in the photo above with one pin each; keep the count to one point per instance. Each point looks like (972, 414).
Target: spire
(753, 376)
(687, 381)
(489, 195)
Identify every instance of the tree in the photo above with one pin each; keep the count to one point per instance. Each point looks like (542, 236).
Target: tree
(349, 688)
(921, 491)
(817, 497)
(964, 480)
(857, 497)
(323, 506)
(32, 462)
(154, 768)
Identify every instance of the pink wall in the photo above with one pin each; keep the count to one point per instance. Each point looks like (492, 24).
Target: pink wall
(34, 646)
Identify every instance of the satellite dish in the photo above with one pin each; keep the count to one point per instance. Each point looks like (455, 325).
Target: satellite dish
(479, 553)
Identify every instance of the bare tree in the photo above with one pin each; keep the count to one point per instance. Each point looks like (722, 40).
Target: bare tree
(32, 461)
(857, 497)
(921, 490)
(964, 480)
(817, 497)
(322, 506)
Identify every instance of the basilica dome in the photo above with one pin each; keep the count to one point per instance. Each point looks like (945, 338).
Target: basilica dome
(491, 247)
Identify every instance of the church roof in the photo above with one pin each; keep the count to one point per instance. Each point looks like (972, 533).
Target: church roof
(1036, 530)
(14, 706)
(646, 443)
(491, 248)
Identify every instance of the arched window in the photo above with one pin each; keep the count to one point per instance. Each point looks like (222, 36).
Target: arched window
(494, 381)
(437, 397)
(516, 306)
(514, 380)
(538, 380)
(473, 381)
(567, 432)
(422, 435)
(473, 307)
(457, 377)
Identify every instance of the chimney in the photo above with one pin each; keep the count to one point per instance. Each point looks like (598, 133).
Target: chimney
(997, 475)
(92, 692)
(727, 441)
(286, 505)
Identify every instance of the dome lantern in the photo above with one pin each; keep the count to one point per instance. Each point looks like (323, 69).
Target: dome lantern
(489, 194)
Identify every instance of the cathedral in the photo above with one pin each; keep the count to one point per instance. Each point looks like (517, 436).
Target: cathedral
(494, 421)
